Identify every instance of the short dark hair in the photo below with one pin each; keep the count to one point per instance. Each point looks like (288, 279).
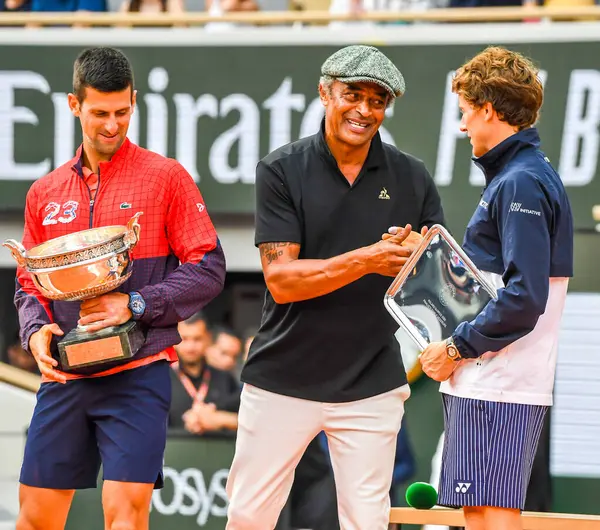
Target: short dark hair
(197, 317)
(103, 69)
(222, 329)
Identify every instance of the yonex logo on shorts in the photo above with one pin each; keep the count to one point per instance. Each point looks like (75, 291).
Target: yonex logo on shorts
(462, 487)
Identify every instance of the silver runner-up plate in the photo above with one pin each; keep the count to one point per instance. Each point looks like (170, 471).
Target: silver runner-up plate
(438, 288)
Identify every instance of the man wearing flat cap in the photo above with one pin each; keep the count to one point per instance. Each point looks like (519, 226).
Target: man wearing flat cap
(325, 357)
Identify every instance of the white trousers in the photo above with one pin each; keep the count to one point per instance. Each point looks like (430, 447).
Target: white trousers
(273, 433)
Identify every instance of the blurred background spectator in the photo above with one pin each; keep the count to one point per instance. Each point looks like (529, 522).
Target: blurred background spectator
(229, 6)
(153, 6)
(15, 5)
(204, 399)
(225, 351)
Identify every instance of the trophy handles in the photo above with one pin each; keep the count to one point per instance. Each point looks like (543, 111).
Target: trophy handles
(17, 250)
(132, 236)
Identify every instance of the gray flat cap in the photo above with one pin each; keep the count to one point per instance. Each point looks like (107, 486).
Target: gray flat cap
(364, 64)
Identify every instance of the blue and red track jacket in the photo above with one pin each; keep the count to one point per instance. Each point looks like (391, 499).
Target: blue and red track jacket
(179, 265)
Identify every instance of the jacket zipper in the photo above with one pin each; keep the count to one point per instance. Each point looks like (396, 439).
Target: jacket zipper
(93, 200)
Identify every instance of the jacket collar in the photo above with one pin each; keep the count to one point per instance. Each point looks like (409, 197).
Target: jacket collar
(496, 158)
(105, 168)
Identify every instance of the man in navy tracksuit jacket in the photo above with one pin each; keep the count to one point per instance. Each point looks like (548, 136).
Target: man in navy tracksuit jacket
(497, 371)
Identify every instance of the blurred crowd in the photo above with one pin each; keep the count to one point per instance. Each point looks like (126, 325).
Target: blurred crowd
(215, 7)
(218, 7)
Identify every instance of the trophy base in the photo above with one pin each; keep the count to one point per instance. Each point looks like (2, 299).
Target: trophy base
(82, 348)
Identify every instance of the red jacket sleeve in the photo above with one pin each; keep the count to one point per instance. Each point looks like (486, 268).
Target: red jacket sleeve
(34, 310)
(192, 237)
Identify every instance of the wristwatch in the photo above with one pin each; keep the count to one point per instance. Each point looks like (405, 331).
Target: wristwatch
(136, 305)
(451, 350)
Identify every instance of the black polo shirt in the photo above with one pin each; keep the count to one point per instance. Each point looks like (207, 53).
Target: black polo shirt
(341, 346)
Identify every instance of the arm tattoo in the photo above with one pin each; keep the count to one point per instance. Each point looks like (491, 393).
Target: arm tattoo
(271, 251)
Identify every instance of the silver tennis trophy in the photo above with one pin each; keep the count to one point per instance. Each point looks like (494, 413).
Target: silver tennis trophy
(80, 266)
(438, 288)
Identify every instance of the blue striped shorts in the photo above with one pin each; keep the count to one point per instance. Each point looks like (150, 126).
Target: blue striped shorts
(488, 453)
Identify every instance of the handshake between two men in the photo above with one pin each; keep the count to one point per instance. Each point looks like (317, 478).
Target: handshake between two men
(396, 246)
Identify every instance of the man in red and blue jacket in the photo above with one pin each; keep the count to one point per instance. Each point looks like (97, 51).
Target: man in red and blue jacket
(116, 414)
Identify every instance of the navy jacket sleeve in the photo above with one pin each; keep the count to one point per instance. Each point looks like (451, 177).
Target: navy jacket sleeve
(523, 215)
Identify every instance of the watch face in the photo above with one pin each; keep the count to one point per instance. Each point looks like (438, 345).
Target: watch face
(137, 306)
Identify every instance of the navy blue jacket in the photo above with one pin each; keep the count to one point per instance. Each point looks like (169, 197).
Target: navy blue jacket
(521, 230)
